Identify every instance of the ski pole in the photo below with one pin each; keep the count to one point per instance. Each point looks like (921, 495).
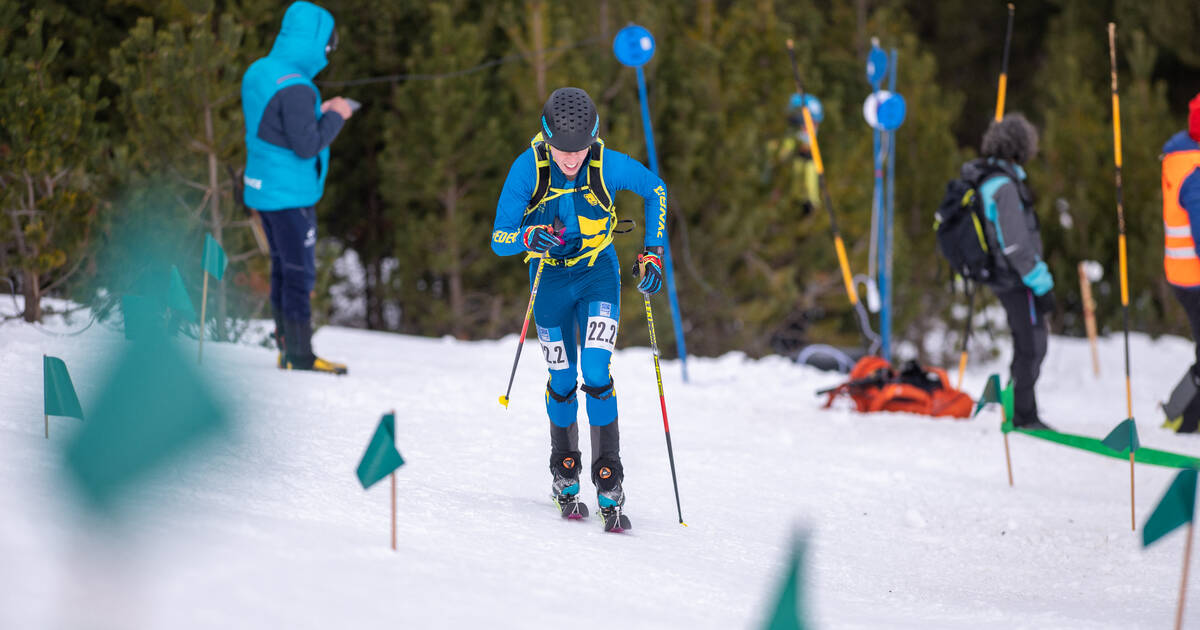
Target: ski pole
(1002, 88)
(962, 357)
(537, 278)
(864, 323)
(1001, 92)
(662, 400)
(1116, 108)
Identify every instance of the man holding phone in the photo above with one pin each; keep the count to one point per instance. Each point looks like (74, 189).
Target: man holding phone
(288, 133)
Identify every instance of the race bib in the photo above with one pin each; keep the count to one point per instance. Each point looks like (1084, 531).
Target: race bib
(553, 349)
(601, 329)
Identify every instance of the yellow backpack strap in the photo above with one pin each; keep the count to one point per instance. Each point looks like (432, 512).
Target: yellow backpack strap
(541, 156)
(595, 175)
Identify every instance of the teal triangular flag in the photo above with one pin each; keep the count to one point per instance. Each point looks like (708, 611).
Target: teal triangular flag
(144, 317)
(991, 393)
(153, 410)
(177, 296)
(59, 392)
(215, 261)
(381, 456)
(1124, 436)
(1175, 508)
(789, 606)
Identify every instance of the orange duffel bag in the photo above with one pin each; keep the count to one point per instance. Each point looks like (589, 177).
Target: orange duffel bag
(875, 386)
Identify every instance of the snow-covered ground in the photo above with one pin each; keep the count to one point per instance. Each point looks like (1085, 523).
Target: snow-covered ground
(911, 520)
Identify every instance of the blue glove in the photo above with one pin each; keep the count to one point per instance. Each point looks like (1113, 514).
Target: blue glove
(649, 268)
(540, 238)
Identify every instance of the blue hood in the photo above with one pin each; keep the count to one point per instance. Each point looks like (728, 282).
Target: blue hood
(302, 37)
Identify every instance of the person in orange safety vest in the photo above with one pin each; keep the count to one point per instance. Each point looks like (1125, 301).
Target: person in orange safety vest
(1181, 255)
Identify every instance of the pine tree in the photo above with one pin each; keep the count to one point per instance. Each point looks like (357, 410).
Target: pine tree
(49, 137)
(180, 90)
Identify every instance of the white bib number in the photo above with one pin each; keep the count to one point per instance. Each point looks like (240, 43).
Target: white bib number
(553, 348)
(601, 333)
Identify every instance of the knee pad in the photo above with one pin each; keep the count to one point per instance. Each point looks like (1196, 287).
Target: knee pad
(601, 403)
(562, 408)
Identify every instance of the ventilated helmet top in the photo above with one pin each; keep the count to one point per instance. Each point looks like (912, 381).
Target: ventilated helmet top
(569, 120)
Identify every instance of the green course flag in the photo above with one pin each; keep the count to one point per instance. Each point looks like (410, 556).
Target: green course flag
(177, 296)
(381, 457)
(991, 393)
(1123, 437)
(153, 410)
(1175, 508)
(789, 607)
(60, 398)
(215, 261)
(1006, 399)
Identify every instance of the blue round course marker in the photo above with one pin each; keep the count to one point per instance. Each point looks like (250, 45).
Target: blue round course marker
(633, 46)
(877, 66)
(892, 111)
(814, 105)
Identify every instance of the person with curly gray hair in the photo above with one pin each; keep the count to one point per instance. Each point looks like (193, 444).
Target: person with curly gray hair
(1020, 278)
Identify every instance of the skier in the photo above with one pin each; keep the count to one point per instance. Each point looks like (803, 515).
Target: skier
(1020, 279)
(567, 178)
(1181, 260)
(288, 133)
(794, 152)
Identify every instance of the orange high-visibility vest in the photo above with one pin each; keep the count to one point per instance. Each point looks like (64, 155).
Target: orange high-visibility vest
(1180, 260)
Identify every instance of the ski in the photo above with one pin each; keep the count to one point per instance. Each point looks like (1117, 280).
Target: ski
(614, 520)
(570, 507)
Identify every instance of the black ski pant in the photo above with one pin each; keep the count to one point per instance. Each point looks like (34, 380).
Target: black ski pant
(1190, 299)
(1030, 333)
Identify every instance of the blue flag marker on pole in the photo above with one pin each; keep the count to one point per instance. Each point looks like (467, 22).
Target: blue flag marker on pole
(634, 47)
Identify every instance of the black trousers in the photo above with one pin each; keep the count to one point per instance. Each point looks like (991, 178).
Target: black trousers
(1190, 299)
(1030, 333)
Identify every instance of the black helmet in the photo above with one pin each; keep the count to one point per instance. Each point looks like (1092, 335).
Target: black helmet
(569, 120)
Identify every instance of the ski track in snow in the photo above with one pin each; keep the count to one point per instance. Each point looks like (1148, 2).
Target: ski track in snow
(911, 522)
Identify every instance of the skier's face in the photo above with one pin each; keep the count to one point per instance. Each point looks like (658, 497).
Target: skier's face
(569, 162)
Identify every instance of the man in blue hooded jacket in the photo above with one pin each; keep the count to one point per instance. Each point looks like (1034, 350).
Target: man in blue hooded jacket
(288, 133)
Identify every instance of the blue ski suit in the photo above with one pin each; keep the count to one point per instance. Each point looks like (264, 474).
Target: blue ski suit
(581, 282)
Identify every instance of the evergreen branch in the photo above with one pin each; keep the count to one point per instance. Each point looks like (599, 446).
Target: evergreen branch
(63, 278)
(416, 76)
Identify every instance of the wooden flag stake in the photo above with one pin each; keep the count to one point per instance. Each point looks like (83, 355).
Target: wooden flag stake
(203, 306)
(1187, 554)
(393, 510)
(1089, 315)
(393, 412)
(1132, 503)
(1008, 460)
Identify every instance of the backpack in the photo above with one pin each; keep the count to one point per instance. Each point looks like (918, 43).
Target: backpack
(875, 385)
(959, 223)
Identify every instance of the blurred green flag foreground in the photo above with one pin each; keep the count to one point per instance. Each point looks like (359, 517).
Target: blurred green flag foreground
(215, 261)
(153, 410)
(59, 392)
(381, 457)
(789, 609)
(1124, 436)
(1176, 508)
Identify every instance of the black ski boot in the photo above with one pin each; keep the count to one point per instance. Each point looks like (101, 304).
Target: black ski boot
(564, 466)
(300, 355)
